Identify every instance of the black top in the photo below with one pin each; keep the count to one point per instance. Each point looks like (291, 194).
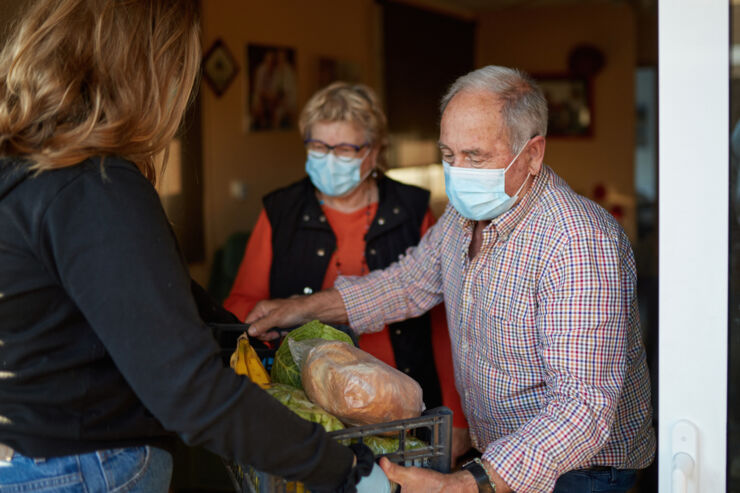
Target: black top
(101, 345)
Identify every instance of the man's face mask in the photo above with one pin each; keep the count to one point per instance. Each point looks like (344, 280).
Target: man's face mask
(480, 194)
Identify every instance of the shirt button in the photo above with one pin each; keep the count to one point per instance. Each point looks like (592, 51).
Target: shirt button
(407, 370)
(306, 218)
(398, 332)
(307, 290)
(396, 210)
(322, 219)
(465, 345)
(381, 221)
(320, 252)
(373, 251)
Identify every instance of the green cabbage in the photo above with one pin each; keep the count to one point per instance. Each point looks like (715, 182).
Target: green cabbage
(284, 368)
(297, 401)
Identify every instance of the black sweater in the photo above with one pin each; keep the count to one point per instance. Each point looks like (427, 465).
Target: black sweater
(101, 345)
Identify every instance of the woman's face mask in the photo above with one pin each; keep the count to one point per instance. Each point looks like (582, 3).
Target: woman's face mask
(479, 194)
(334, 176)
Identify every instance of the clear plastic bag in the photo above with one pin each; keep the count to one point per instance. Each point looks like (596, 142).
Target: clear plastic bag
(353, 385)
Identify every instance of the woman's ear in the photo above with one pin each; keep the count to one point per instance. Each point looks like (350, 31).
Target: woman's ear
(536, 154)
(372, 157)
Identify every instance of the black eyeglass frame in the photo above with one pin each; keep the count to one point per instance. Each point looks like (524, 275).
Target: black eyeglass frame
(357, 148)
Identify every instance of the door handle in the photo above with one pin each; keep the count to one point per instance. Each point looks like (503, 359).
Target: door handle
(684, 453)
(683, 468)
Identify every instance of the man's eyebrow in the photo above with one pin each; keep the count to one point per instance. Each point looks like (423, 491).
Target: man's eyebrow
(476, 151)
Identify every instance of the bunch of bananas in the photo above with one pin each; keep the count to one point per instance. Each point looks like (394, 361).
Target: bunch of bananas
(245, 361)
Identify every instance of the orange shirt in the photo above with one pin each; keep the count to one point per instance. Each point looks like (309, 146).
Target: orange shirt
(252, 284)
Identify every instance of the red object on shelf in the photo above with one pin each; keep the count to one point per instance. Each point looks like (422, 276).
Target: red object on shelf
(599, 192)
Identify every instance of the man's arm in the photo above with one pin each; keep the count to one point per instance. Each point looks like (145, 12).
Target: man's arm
(405, 289)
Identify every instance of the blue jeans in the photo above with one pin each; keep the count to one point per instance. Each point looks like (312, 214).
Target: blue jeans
(596, 481)
(132, 470)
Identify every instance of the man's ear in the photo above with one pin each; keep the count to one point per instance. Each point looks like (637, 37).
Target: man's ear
(536, 154)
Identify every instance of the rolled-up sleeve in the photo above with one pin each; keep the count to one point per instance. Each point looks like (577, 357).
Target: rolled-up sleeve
(583, 325)
(405, 289)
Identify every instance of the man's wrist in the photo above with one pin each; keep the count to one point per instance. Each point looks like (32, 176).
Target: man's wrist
(326, 306)
(464, 483)
(480, 473)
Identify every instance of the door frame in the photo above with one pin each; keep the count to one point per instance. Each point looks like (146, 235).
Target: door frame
(693, 181)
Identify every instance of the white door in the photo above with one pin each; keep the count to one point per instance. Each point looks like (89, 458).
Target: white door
(694, 260)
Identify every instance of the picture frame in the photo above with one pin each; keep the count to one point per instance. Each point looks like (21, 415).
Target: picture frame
(272, 88)
(219, 67)
(569, 104)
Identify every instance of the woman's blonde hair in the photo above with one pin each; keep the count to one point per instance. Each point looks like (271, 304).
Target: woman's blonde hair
(344, 102)
(80, 78)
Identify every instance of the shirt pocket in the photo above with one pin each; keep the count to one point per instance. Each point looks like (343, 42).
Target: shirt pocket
(511, 336)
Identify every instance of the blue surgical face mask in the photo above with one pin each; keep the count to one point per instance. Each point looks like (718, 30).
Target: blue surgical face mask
(479, 194)
(332, 176)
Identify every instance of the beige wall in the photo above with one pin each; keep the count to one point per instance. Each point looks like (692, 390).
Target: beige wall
(538, 41)
(341, 29)
(535, 39)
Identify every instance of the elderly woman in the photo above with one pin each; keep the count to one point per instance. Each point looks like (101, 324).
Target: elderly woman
(348, 218)
(104, 357)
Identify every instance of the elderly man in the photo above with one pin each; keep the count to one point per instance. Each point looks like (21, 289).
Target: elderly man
(539, 285)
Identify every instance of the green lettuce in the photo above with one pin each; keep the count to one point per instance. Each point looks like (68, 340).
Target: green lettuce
(284, 368)
(297, 401)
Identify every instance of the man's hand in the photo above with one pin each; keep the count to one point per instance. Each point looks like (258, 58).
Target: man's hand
(268, 314)
(460, 443)
(326, 306)
(417, 480)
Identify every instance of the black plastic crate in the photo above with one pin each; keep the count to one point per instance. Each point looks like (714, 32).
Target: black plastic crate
(433, 427)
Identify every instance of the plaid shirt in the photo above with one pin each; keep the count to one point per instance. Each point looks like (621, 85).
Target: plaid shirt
(546, 339)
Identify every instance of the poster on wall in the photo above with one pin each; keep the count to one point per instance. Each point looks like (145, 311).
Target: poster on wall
(272, 95)
(570, 112)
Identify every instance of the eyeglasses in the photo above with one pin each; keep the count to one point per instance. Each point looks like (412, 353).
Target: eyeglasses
(343, 152)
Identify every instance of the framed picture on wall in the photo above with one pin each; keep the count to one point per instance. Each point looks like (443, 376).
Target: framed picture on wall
(219, 67)
(272, 93)
(569, 104)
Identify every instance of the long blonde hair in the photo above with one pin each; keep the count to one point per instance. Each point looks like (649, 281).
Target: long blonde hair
(80, 78)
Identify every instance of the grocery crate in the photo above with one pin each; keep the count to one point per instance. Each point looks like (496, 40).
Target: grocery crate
(433, 427)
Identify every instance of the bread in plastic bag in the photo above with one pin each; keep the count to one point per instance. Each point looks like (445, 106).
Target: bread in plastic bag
(353, 385)
(284, 369)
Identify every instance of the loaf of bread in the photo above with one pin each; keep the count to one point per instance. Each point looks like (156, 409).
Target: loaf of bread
(357, 387)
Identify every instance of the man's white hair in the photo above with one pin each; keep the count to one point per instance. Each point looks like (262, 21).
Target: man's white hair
(524, 106)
